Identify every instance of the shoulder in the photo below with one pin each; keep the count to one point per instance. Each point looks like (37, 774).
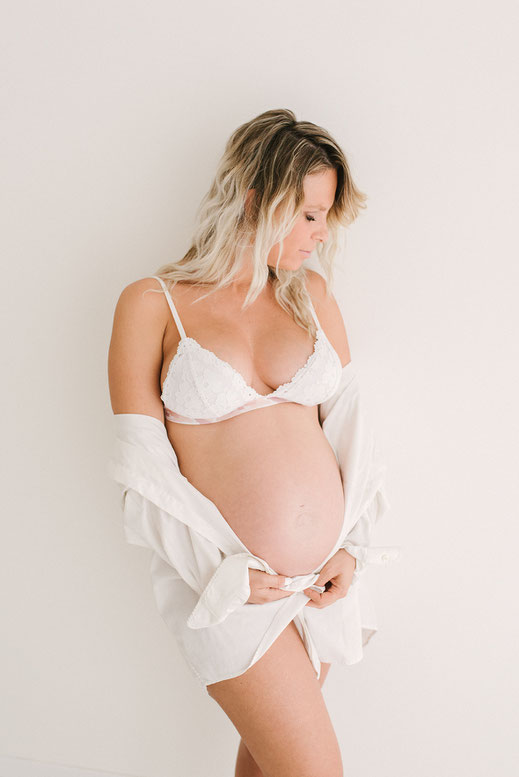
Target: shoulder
(135, 294)
(329, 314)
(135, 354)
(144, 302)
(141, 313)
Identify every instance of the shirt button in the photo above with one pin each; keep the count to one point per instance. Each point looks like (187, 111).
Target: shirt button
(384, 557)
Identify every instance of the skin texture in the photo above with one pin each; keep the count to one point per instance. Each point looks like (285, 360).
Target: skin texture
(246, 766)
(276, 705)
(279, 711)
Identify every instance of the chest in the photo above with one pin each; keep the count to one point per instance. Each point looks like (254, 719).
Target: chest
(264, 347)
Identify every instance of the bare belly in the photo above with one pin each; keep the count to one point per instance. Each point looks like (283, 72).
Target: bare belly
(274, 477)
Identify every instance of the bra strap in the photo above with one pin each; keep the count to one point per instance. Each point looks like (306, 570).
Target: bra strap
(173, 309)
(312, 310)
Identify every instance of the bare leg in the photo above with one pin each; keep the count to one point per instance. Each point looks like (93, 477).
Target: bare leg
(278, 709)
(246, 766)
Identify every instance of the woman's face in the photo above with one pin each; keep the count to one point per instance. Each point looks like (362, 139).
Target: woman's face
(319, 194)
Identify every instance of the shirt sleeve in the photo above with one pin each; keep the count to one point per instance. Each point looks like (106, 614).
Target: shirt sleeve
(348, 429)
(164, 512)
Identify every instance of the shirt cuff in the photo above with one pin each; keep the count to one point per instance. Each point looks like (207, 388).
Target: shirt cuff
(370, 554)
(229, 589)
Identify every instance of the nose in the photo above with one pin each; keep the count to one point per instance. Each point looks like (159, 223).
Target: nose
(321, 233)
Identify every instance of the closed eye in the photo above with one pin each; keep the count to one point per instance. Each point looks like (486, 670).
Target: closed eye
(310, 218)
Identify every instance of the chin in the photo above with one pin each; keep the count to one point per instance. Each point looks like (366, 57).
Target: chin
(292, 264)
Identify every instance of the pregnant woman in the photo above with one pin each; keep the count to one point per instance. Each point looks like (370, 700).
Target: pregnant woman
(244, 461)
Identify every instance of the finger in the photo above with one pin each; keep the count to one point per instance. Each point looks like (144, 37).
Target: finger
(313, 595)
(326, 574)
(320, 589)
(329, 597)
(271, 594)
(266, 580)
(276, 581)
(319, 604)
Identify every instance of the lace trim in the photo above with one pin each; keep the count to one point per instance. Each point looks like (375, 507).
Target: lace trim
(217, 360)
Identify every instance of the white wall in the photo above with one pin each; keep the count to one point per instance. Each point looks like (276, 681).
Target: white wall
(116, 114)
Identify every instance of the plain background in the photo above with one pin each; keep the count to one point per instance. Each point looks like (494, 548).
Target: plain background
(115, 116)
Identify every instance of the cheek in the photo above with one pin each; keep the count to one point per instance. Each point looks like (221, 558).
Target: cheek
(298, 237)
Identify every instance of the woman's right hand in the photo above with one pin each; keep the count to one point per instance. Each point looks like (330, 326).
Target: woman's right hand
(265, 587)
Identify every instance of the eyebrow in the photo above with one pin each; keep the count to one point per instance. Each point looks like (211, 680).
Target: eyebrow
(317, 207)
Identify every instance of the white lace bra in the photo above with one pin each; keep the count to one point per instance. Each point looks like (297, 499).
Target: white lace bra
(201, 388)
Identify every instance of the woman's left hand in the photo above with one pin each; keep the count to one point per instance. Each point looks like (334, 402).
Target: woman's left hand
(338, 573)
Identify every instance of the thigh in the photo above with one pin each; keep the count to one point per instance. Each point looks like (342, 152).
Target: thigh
(278, 709)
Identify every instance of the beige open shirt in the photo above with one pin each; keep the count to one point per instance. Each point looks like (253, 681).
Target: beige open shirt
(199, 566)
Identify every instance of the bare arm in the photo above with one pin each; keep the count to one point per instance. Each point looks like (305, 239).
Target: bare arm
(329, 315)
(135, 352)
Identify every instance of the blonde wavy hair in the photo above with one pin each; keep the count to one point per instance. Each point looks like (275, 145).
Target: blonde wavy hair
(271, 154)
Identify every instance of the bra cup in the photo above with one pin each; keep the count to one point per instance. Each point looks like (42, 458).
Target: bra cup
(218, 387)
(317, 380)
(199, 385)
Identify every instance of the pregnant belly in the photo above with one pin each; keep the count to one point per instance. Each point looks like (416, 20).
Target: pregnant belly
(275, 479)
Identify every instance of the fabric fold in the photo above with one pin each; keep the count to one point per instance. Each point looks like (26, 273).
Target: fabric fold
(229, 588)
